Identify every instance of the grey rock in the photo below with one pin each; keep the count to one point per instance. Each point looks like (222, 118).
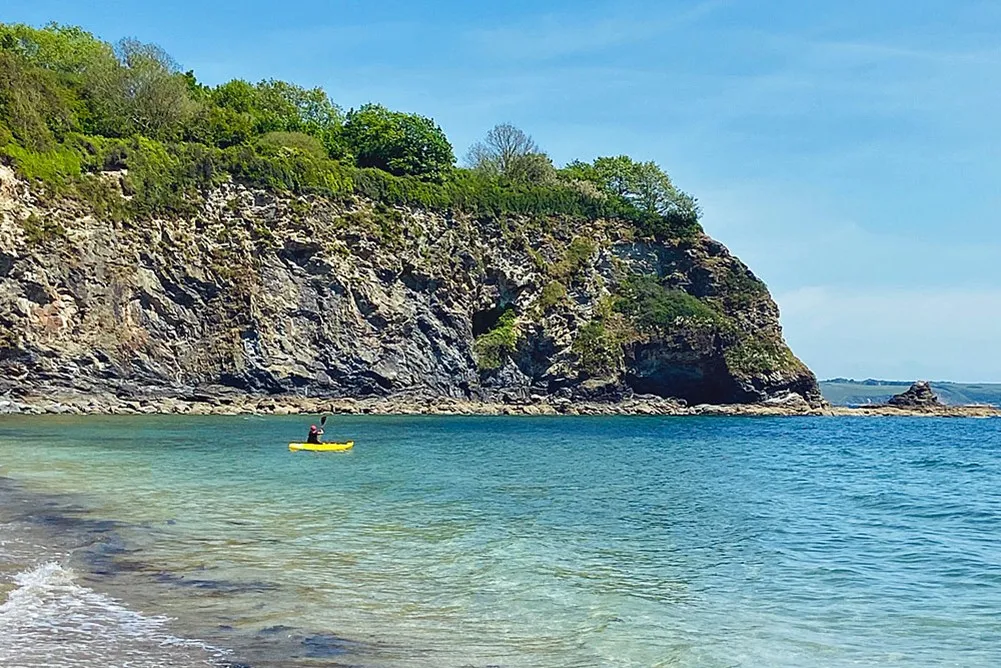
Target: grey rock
(329, 304)
(918, 395)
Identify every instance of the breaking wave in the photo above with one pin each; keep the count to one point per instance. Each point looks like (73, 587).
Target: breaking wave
(50, 619)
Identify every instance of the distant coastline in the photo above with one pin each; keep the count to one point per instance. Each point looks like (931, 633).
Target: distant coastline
(851, 392)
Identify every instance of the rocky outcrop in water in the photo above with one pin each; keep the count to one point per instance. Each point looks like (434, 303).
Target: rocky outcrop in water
(273, 294)
(919, 395)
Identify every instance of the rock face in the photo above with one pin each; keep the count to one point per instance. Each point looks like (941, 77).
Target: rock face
(275, 294)
(919, 395)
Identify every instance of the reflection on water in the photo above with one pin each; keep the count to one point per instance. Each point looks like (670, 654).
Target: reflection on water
(508, 541)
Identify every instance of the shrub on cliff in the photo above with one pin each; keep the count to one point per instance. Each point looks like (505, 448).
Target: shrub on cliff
(599, 348)
(577, 255)
(41, 230)
(298, 141)
(58, 166)
(655, 307)
(401, 144)
(498, 344)
(754, 354)
(741, 288)
(552, 294)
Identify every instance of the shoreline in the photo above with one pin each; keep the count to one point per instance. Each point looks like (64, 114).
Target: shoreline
(86, 555)
(233, 403)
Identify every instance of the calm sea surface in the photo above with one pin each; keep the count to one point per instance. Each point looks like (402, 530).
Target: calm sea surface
(687, 542)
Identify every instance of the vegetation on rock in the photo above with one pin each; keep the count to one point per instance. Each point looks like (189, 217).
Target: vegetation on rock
(577, 255)
(659, 309)
(71, 105)
(552, 294)
(497, 345)
(257, 236)
(599, 348)
(755, 354)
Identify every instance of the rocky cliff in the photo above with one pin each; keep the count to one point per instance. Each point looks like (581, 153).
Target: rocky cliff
(268, 293)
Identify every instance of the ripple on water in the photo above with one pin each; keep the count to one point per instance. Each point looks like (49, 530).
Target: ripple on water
(608, 542)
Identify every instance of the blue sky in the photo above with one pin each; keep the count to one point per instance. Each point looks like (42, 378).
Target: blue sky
(849, 152)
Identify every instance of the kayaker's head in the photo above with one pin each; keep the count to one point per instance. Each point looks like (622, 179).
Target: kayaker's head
(312, 429)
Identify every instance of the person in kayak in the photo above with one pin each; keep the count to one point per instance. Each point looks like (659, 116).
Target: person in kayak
(314, 434)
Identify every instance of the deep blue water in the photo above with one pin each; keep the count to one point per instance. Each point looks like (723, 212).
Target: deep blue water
(512, 541)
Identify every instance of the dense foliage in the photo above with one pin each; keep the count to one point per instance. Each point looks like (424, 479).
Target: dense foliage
(72, 106)
(599, 348)
(510, 153)
(401, 144)
(643, 184)
(494, 347)
(656, 307)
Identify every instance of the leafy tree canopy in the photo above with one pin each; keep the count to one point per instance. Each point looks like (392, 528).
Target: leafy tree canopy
(644, 184)
(242, 110)
(509, 152)
(65, 49)
(398, 143)
(71, 104)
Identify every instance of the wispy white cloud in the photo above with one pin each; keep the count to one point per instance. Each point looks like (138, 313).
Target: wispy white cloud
(944, 334)
(847, 52)
(794, 235)
(550, 36)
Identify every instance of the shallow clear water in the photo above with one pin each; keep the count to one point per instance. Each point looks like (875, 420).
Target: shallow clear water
(502, 541)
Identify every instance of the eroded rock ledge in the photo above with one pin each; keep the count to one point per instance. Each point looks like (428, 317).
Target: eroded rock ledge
(243, 404)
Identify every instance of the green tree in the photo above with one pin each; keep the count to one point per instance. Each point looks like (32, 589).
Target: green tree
(643, 184)
(509, 152)
(143, 93)
(306, 110)
(46, 77)
(228, 117)
(240, 111)
(32, 103)
(63, 49)
(399, 143)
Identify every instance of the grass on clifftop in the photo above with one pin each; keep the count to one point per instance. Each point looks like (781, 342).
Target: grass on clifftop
(73, 105)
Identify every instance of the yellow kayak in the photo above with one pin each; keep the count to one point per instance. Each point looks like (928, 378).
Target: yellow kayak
(321, 447)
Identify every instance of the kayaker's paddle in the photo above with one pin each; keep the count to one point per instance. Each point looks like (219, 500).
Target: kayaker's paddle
(323, 420)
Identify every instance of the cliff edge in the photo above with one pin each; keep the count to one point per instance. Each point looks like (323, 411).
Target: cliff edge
(272, 293)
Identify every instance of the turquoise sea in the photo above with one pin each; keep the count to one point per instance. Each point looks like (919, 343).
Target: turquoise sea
(689, 542)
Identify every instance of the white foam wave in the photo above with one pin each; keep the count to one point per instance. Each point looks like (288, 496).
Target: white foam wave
(51, 620)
